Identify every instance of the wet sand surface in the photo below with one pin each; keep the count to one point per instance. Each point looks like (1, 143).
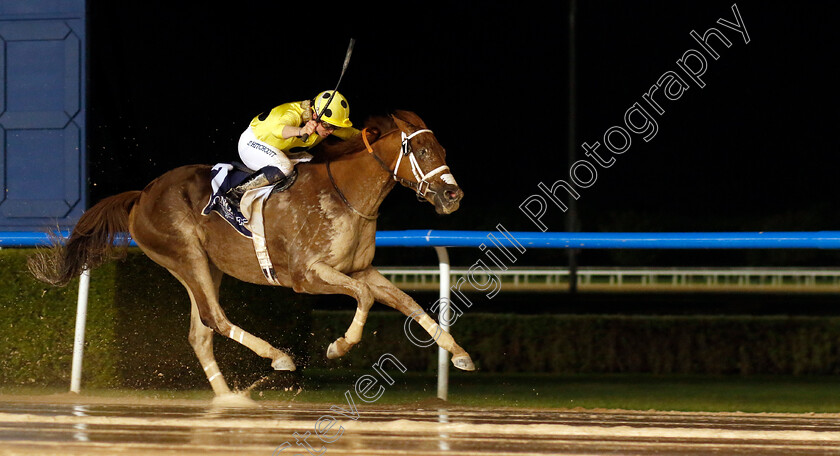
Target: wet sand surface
(65, 425)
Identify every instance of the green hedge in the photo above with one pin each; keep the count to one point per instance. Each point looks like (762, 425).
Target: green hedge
(137, 327)
(138, 321)
(607, 344)
(37, 323)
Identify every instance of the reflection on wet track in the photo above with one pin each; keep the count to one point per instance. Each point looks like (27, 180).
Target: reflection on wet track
(145, 427)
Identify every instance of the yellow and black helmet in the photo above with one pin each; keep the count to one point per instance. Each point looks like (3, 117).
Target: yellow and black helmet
(338, 111)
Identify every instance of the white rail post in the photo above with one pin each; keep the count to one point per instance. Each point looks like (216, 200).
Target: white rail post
(79, 339)
(443, 321)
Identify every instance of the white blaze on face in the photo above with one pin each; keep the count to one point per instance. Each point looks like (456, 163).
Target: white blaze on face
(448, 178)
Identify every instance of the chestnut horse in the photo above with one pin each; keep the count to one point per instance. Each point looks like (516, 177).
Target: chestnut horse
(320, 235)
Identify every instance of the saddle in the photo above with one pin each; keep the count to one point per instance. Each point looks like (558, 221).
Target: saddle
(245, 216)
(225, 176)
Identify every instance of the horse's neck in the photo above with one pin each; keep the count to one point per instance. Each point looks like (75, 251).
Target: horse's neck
(362, 180)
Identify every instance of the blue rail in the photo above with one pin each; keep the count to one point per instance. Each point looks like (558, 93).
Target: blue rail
(688, 240)
(527, 239)
(25, 239)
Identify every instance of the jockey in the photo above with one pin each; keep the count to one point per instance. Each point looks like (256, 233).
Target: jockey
(287, 130)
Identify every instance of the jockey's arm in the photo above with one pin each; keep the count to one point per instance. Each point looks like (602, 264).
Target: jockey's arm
(288, 126)
(289, 131)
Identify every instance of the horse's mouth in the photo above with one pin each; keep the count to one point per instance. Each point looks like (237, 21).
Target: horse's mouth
(447, 199)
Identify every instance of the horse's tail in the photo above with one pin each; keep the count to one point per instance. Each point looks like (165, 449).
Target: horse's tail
(91, 243)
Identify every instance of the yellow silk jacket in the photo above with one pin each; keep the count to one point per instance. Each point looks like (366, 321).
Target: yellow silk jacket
(268, 127)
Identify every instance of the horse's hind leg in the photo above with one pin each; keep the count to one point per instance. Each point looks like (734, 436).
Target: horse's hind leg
(201, 339)
(202, 282)
(387, 293)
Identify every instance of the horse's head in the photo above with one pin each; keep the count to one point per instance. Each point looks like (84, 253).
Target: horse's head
(421, 164)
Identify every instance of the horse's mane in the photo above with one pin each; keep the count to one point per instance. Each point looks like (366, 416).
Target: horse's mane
(332, 148)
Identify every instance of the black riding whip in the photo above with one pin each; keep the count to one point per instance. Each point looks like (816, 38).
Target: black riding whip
(343, 70)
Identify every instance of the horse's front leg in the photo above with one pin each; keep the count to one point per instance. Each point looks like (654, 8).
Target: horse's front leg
(324, 279)
(387, 293)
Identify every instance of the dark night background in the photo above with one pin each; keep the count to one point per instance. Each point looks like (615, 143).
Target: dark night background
(756, 149)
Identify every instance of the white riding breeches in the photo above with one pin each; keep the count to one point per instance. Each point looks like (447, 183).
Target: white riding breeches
(256, 154)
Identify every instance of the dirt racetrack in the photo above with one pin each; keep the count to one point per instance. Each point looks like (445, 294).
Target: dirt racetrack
(69, 425)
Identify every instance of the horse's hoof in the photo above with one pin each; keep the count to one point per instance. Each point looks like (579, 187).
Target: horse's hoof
(338, 348)
(332, 351)
(229, 400)
(463, 362)
(284, 363)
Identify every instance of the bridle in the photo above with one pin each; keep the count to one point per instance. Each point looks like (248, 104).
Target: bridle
(420, 186)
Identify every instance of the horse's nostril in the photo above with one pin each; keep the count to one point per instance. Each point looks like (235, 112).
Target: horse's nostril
(452, 195)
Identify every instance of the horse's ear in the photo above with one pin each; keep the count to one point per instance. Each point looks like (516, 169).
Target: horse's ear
(408, 117)
(401, 124)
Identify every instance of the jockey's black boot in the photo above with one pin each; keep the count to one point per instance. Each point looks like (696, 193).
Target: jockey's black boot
(266, 176)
